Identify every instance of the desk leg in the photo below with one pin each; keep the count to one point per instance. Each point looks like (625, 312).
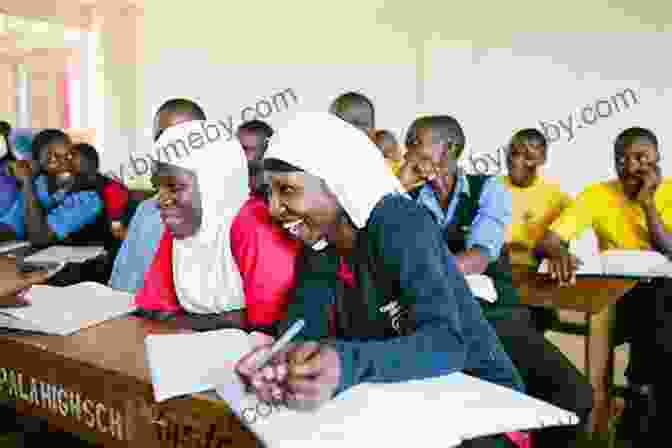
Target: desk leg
(599, 364)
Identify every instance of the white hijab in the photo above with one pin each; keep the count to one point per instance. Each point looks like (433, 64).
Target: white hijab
(340, 154)
(206, 276)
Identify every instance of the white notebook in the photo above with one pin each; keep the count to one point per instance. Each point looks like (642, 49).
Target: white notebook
(443, 411)
(66, 254)
(66, 310)
(182, 364)
(623, 263)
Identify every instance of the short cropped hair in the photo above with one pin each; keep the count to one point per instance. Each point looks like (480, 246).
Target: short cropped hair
(356, 109)
(447, 129)
(630, 135)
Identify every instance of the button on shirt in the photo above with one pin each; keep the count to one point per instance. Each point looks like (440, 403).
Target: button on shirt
(488, 229)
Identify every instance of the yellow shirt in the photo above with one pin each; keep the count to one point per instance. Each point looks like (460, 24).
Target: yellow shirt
(618, 222)
(395, 166)
(534, 209)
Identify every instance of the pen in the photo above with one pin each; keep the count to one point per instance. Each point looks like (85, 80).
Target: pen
(280, 344)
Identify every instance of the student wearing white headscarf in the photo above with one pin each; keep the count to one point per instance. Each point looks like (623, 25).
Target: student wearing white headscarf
(386, 305)
(202, 185)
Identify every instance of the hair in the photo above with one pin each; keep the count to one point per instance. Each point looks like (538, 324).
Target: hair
(385, 137)
(259, 128)
(182, 106)
(89, 153)
(530, 135)
(447, 129)
(5, 129)
(356, 109)
(630, 135)
(47, 137)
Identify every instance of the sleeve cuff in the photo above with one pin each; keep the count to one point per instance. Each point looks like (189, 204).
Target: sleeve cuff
(347, 357)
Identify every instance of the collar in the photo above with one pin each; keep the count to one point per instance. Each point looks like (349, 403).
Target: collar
(430, 199)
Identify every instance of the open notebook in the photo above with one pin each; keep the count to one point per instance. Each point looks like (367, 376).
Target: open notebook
(445, 409)
(623, 263)
(66, 310)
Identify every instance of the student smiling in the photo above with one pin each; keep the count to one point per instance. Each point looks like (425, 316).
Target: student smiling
(383, 310)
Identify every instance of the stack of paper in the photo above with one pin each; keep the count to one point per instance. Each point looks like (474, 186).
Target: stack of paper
(65, 254)
(66, 310)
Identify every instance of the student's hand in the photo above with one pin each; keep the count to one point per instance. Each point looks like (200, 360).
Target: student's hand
(314, 375)
(563, 269)
(651, 180)
(414, 173)
(119, 230)
(266, 382)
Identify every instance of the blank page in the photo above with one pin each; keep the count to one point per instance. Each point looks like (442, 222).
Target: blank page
(440, 411)
(65, 310)
(183, 364)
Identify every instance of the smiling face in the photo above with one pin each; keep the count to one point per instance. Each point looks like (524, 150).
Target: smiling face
(301, 204)
(634, 162)
(179, 200)
(57, 159)
(433, 160)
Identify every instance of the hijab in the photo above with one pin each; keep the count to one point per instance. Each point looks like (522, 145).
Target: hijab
(205, 276)
(341, 155)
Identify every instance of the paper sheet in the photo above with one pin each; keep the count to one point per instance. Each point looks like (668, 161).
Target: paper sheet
(482, 287)
(65, 310)
(183, 364)
(66, 254)
(442, 411)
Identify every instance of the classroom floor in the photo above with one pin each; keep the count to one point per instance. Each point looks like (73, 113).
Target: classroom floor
(572, 346)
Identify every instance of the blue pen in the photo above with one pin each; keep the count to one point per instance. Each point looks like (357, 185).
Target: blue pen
(280, 344)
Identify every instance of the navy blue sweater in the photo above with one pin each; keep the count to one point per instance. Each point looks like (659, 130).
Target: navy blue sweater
(450, 333)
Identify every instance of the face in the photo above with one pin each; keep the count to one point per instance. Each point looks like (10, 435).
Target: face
(432, 161)
(179, 200)
(57, 159)
(523, 160)
(636, 160)
(302, 206)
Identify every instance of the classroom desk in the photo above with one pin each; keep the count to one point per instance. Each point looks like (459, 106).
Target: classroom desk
(595, 297)
(96, 383)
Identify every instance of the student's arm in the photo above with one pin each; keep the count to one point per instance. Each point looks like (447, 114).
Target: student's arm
(431, 284)
(488, 230)
(37, 229)
(574, 220)
(661, 239)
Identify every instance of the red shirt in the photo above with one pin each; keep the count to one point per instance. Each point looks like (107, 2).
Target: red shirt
(266, 258)
(115, 196)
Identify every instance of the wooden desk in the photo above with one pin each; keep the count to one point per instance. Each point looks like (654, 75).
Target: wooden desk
(595, 297)
(96, 383)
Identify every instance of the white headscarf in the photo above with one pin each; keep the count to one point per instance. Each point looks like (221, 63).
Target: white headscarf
(340, 154)
(206, 276)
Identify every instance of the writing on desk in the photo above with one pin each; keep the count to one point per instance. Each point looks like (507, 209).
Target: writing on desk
(59, 400)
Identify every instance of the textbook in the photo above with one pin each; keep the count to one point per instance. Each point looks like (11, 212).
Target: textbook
(65, 254)
(66, 310)
(623, 263)
(443, 411)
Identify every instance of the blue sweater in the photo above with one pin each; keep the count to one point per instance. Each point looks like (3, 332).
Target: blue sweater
(450, 333)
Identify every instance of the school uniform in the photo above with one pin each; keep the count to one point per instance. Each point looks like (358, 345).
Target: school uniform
(644, 314)
(477, 215)
(69, 214)
(396, 308)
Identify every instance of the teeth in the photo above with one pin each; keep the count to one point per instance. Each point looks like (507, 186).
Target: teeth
(291, 227)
